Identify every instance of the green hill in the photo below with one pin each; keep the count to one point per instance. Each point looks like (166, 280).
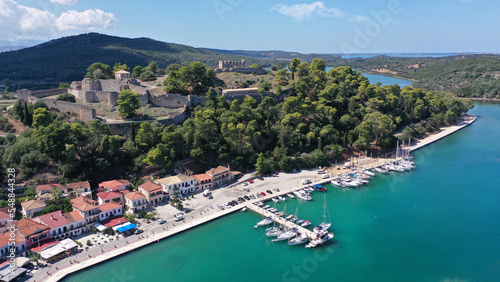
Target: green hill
(67, 58)
(463, 75)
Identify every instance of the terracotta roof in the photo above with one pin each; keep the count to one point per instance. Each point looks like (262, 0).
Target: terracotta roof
(150, 186)
(84, 206)
(217, 170)
(44, 244)
(135, 196)
(114, 183)
(54, 219)
(4, 239)
(4, 215)
(109, 206)
(33, 204)
(48, 186)
(108, 195)
(73, 216)
(82, 199)
(45, 196)
(28, 227)
(125, 192)
(110, 222)
(201, 177)
(235, 172)
(175, 179)
(82, 184)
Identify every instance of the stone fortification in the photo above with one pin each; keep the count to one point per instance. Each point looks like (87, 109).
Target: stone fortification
(237, 66)
(240, 94)
(84, 112)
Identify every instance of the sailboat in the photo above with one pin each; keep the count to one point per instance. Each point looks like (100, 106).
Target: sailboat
(325, 224)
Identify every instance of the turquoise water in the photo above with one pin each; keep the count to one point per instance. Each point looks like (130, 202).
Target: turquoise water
(384, 80)
(402, 55)
(440, 222)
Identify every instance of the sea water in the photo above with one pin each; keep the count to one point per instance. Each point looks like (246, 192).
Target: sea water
(440, 222)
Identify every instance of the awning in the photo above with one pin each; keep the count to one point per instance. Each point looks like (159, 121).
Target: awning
(126, 227)
(64, 245)
(21, 261)
(99, 226)
(9, 274)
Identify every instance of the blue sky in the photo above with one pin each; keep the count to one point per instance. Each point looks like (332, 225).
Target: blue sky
(355, 26)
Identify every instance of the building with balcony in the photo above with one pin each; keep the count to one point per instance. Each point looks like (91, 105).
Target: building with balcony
(152, 191)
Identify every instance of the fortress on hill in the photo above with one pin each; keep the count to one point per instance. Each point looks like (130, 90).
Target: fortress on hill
(237, 66)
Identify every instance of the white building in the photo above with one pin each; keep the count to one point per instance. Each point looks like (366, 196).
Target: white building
(184, 183)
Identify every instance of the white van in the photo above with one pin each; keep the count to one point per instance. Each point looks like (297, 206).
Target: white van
(306, 181)
(325, 176)
(206, 193)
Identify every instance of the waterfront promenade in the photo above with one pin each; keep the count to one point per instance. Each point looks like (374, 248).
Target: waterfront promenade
(286, 182)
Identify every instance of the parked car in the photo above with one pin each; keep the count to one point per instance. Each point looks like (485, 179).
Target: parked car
(260, 177)
(138, 231)
(250, 181)
(276, 189)
(259, 195)
(269, 192)
(210, 197)
(246, 198)
(252, 196)
(263, 194)
(245, 183)
(161, 221)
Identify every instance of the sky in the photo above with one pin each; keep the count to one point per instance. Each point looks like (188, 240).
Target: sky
(345, 27)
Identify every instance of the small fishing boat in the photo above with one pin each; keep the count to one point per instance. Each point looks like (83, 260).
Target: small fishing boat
(290, 195)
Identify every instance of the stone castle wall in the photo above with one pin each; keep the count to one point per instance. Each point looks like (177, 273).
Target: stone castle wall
(48, 92)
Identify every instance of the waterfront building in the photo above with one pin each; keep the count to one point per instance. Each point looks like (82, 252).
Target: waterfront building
(109, 210)
(70, 190)
(19, 244)
(220, 175)
(4, 219)
(58, 224)
(32, 231)
(29, 208)
(87, 210)
(76, 223)
(152, 191)
(184, 183)
(135, 201)
(202, 181)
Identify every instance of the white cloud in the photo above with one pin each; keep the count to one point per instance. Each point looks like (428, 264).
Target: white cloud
(65, 2)
(21, 22)
(86, 20)
(299, 12)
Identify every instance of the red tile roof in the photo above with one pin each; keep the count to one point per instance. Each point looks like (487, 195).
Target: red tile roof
(84, 206)
(114, 183)
(54, 219)
(109, 206)
(4, 239)
(48, 186)
(82, 199)
(33, 204)
(110, 222)
(135, 196)
(217, 170)
(73, 216)
(150, 186)
(201, 177)
(109, 195)
(4, 215)
(28, 227)
(82, 184)
(43, 245)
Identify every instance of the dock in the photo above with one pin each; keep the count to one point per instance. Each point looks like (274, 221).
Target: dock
(279, 220)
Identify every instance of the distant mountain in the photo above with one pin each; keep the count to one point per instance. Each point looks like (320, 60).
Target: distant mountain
(11, 48)
(278, 55)
(67, 58)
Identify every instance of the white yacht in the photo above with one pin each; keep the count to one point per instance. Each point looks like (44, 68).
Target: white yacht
(281, 198)
(322, 237)
(305, 223)
(275, 200)
(301, 239)
(324, 225)
(290, 195)
(290, 233)
(301, 194)
(275, 231)
(264, 222)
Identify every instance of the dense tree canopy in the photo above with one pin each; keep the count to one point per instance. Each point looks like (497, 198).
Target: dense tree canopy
(194, 78)
(128, 103)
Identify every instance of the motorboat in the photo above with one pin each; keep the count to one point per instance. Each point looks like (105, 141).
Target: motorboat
(322, 237)
(264, 222)
(298, 240)
(305, 223)
(281, 198)
(380, 170)
(290, 195)
(300, 221)
(369, 172)
(244, 209)
(275, 200)
(289, 233)
(288, 217)
(266, 206)
(301, 194)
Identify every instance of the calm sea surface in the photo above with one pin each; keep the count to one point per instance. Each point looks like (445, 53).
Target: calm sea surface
(440, 222)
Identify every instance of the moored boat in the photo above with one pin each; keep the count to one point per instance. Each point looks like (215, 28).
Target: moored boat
(301, 239)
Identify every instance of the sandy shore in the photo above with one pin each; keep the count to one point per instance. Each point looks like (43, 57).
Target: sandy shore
(286, 182)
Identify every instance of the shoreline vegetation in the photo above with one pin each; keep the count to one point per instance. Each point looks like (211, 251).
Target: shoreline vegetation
(285, 186)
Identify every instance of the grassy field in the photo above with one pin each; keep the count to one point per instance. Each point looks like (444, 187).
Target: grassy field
(7, 99)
